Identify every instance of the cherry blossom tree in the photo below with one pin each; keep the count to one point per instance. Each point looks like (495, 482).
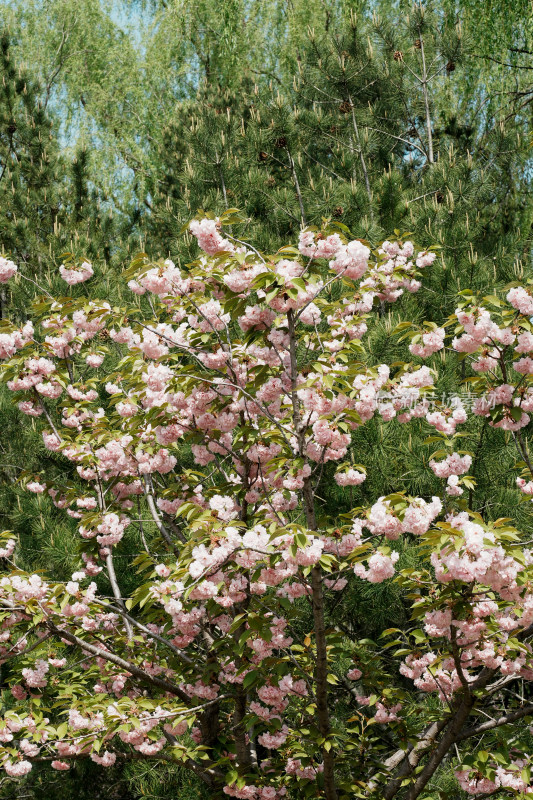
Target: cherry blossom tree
(200, 421)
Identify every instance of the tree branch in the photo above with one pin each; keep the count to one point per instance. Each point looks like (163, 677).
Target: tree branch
(526, 711)
(137, 672)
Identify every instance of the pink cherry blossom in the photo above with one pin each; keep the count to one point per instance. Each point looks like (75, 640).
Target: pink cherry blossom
(73, 275)
(7, 269)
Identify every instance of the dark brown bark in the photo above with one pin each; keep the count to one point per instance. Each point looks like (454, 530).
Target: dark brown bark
(321, 675)
(408, 761)
(244, 758)
(463, 708)
(317, 599)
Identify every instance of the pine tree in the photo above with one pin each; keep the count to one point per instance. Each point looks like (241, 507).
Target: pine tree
(29, 188)
(48, 203)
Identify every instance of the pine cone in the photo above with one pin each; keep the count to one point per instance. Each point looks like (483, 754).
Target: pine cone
(439, 197)
(338, 211)
(418, 44)
(450, 66)
(281, 142)
(263, 156)
(398, 55)
(345, 107)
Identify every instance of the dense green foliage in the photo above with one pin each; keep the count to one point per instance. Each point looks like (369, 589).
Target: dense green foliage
(119, 121)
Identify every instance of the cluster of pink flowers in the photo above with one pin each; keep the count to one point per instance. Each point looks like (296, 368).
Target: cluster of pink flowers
(35, 487)
(295, 767)
(351, 260)
(396, 271)
(406, 516)
(207, 232)
(61, 766)
(447, 418)
(385, 714)
(477, 561)
(318, 246)
(17, 769)
(274, 740)
(72, 275)
(504, 395)
(15, 340)
(380, 567)
(354, 674)
(109, 531)
(35, 678)
(451, 468)
(510, 778)
(8, 549)
(454, 464)
(250, 792)
(7, 269)
(525, 486)
(489, 345)
(350, 477)
(521, 299)
(432, 342)
(94, 360)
